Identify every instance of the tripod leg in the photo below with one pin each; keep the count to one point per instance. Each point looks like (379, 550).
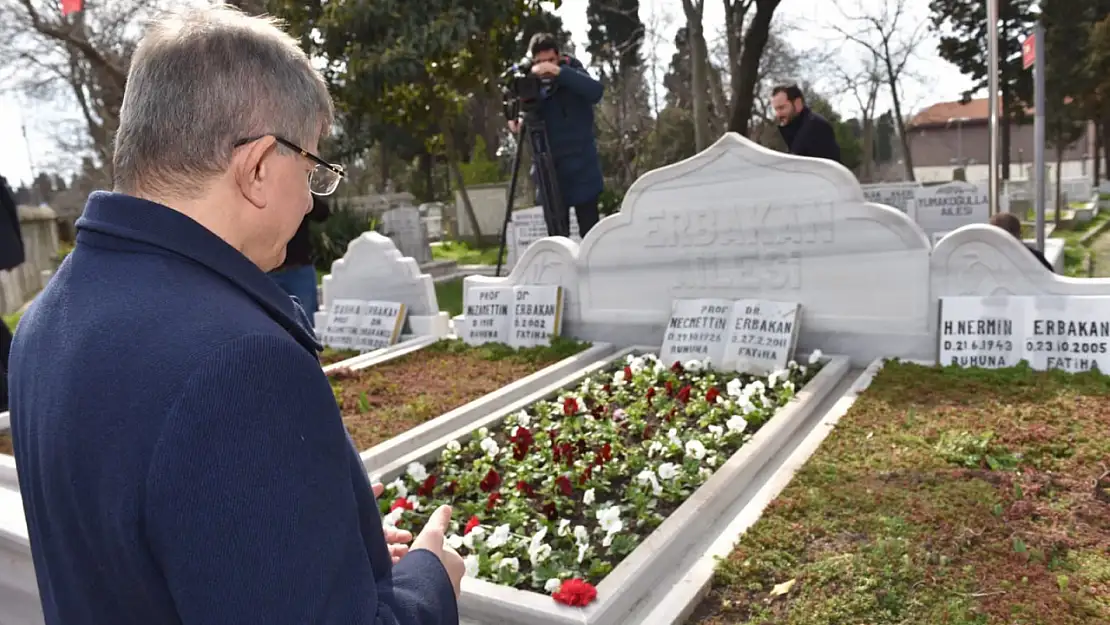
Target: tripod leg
(555, 214)
(509, 200)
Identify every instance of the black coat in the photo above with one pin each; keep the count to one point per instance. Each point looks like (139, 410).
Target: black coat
(809, 134)
(11, 241)
(298, 252)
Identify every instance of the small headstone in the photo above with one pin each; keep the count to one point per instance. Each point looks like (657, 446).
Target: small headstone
(365, 326)
(404, 226)
(944, 208)
(488, 315)
(537, 315)
(1047, 331)
(896, 194)
(762, 336)
(527, 227)
(697, 330)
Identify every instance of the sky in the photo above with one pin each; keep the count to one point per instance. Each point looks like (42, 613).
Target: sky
(812, 25)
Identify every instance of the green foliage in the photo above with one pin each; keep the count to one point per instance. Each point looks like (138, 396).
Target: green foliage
(610, 201)
(963, 42)
(974, 451)
(481, 169)
(330, 238)
(851, 150)
(616, 34)
(561, 347)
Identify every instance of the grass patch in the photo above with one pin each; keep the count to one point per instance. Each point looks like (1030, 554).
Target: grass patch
(449, 295)
(12, 320)
(464, 254)
(385, 400)
(1075, 253)
(964, 497)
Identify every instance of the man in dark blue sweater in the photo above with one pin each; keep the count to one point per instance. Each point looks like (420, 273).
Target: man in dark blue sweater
(181, 456)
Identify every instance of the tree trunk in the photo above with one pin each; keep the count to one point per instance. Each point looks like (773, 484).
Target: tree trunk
(1059, 166)
(1106, 144)
(698, 64)
(383, 165)
(735, 11)
(755, 40)
(867, 170)
(455, 172)
(1096, 163)
(718, 120)
(895, 97)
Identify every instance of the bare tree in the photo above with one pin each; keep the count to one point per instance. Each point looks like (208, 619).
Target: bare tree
(864, 83)
(751, 54)
(83, 57)
(699, 59)
(891, 36)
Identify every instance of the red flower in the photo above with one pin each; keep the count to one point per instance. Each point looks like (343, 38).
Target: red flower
(585, 475)
(605, 455)
(402, 503)
(581, 446)
(451, 486)
(525, 488)
(549, 511)
(471, 524)
(684, 394)
(648, 431)
(669, 387)
(650, 394)
(425, 489)
(491, 502)
(605, 389)
(564, 485)
(677, 367)
(491, 482)
(628, 373)
(712, 394)
(564, 452)
(670, 415)
(522, 435)
(570, 406)
(575, 592)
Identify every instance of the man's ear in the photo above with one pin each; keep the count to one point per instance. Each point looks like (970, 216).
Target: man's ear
(251, 168)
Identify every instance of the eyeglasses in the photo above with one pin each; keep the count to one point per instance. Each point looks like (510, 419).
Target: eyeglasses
(324, 177)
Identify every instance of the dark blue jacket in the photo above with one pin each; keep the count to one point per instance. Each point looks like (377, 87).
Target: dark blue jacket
(568, 114)
(181, 456)
(11, 242)
(809, 134)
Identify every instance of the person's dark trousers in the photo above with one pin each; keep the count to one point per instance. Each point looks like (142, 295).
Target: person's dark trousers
(299, 282)
(587, 216)
(5, 349)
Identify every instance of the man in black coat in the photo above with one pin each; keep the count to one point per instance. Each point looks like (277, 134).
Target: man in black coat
(11, 256)
(297, 275)
(806, 133)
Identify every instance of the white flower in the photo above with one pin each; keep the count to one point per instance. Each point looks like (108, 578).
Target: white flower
(695, 449)
(654, 448)
(522, 418)
(672, 436)
(537, 550)
(563, 529)
(610, 519)
(399, 487)
(588, 497)
(772, 379)
(453, 446)
(693, 366)
(489, 446)
(735, 387)
(581, 536)
(390, 520)
(711, 460)
(716, 431)
(788, 385)
(471, 563)
(499, 537)
(454, 541)
(414, 502)
(471, 540)
(668, 470)
(552, 585)
(704, 473)
(618, 378)
(582, 549)
(815, 357)
(746, 406)
(483, 432)
(647, 477)
(636, 364)
(736, 423)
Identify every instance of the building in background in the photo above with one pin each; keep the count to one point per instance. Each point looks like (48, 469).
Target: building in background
(947, 135)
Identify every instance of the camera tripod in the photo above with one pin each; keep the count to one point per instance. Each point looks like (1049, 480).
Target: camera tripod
(555, 216)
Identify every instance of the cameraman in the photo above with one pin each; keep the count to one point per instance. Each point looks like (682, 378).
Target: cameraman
(568, 112)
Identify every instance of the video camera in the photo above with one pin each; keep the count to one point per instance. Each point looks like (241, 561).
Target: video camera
(522, 86)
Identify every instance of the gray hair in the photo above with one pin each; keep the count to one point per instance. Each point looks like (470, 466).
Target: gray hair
(202, 79)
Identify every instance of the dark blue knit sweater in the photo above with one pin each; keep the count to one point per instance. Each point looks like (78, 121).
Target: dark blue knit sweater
(180, 452)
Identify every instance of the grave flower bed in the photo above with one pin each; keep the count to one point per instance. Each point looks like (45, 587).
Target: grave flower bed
(942, 496)
(389, 398)
(556, 495)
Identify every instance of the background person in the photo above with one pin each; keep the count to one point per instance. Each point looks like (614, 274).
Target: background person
(568, 114)
(1010, 223)
(806, 133)
(182, 460)
(11, 256)
(297, 275)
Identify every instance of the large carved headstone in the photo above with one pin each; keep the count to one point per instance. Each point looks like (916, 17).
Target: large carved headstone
(740, 221)
(374, 270)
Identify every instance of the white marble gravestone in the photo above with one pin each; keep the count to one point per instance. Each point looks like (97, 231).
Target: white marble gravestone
(374, 270)
(896, 194)
(527, 227)
(739, 221)
(405, 227)
(940, 209)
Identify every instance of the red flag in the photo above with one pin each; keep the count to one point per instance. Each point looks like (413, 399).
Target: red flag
(72, 6)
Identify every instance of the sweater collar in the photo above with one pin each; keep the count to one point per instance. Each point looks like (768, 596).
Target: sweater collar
(134, 219)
